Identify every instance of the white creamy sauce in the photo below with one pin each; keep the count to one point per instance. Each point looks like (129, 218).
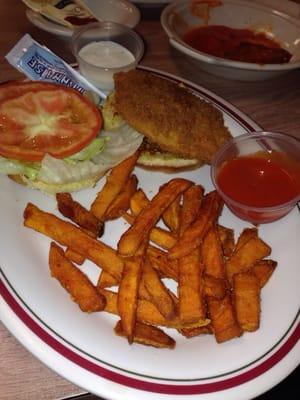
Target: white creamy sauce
(106, 54)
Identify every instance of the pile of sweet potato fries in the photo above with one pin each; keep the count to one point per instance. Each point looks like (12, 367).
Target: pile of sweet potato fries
(218, 279)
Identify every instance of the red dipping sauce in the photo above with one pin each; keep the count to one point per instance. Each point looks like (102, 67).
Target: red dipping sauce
(236, 44)
(79, 21)
(262, 183)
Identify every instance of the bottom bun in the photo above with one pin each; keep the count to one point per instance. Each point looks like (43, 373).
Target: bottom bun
(158, 160)
(56, 188)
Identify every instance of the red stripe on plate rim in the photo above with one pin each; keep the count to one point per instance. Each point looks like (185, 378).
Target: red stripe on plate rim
(162, 388)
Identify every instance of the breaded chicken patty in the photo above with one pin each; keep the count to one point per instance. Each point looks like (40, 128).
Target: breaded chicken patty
(169, 115)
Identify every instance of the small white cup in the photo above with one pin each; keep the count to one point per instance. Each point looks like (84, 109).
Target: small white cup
(102, 76)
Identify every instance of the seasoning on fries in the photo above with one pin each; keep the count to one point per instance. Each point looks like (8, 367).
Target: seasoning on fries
(246, 292)
(171, 216)
(191, 306)
(78, 214)
(115, 183)
(148, 313)
(75, 238)
(194, 234)
(148, 335)
(158, 292)
(74, 281)
(149, 216)
(121, 203)
(128, 291)
(247, 254)
(216, 278)
(223, 319)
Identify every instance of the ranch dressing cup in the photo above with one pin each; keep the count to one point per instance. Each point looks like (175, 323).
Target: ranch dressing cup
(104, 48)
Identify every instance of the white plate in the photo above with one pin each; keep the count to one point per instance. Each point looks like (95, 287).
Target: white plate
(84, 349)
(129, 16)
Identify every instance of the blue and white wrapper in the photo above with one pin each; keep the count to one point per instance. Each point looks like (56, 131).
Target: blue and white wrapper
(39, 63)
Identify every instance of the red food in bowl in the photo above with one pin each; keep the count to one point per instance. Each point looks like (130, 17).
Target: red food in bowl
(258, 175)
(236, 44)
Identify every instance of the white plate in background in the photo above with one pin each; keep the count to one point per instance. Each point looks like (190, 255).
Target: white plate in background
(129, 15)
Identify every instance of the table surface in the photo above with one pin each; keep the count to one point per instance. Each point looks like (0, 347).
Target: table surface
(273, 104)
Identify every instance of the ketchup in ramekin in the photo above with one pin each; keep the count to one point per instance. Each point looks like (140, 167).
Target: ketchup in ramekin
(258, 175)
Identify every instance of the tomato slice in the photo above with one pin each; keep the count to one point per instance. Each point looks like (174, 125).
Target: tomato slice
(14, 89)
(58, 121)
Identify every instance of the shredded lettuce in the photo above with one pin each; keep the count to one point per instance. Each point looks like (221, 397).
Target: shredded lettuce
(88, 152)
(98, 157)
(120, 143)
(55, 171)
(123, 142)
(15, 167)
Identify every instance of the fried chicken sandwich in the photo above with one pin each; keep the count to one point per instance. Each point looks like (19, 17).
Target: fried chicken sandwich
(180, 129)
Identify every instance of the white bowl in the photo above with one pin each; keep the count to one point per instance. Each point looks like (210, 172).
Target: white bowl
(176, 18)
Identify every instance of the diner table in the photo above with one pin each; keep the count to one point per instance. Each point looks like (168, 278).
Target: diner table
(274, 104)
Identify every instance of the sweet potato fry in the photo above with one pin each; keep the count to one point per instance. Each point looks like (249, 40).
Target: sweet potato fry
(223, 319)
(247, 234)
(128, 218)
(143, 292)
(138, 202)
(73, 237)
(252, 251)
(149, 216)
(193, 235)
(218, 279)
(74, 256)
(106, 280)
(263, 270)
(162, 238)
(128, 291)
(171, 216)
(159, 294)
(157, 235)
(148, 313)
(148, 335)
(122, 202)
(77, 284)
(190, 288)
(212, 254)
(226, 236)
(78, 214)
(159, 260)
(190, 284)
(214, 287)
(192, 332)
(192, 200)
(246, 297)
(115, 182)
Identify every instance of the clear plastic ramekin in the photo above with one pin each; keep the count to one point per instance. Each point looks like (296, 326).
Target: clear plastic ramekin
(102, 76)
(249, 144)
